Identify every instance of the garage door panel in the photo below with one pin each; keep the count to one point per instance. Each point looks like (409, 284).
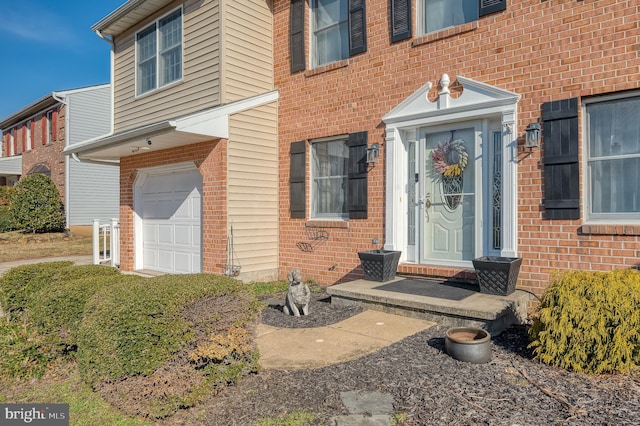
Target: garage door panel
(171, 221)
(165, 233)
(183, 262)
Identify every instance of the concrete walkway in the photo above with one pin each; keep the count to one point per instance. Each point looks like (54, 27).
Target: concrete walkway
(362, 334)
(78, 260)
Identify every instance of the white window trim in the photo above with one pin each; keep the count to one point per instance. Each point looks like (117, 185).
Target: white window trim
(600, 218)
(12, 143)
(135, 59)
(314, 215)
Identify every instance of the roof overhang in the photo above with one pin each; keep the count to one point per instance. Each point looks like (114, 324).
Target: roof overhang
(11, 166)
(203, 126)
(128, 15)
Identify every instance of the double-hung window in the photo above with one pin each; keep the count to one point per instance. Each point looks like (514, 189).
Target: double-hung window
(330, 31)
(329, 169)
(613, 158)
(159, 53)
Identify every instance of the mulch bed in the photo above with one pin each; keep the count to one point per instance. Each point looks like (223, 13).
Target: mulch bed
(427, 385)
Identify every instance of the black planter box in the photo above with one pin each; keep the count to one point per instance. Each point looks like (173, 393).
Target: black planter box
(379, 265)
(497, 275)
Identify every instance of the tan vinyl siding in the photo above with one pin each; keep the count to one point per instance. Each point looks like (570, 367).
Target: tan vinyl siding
(199, 88)
(248, 49)
(253, 190)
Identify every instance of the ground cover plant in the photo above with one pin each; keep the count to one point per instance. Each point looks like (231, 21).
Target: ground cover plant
(590, 322)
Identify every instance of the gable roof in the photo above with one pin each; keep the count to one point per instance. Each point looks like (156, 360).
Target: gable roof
(475, 96)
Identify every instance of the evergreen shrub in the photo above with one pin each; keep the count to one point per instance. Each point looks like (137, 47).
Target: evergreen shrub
(36, 205)
(134, 327)
(590, 322)
(6, 219)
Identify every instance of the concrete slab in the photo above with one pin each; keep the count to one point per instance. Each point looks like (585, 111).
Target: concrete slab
(365, 333)
(360, 420)
(369, 403)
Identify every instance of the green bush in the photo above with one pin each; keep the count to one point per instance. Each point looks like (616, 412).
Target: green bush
(19, 285)
(134, 327)
(23, 352)
(6, 219)
(36, 205)
(57, 311)
(590, 322)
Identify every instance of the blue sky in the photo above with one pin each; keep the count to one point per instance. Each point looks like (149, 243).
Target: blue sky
(48, 45)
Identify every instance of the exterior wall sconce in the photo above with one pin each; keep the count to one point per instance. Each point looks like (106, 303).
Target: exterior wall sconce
(372, 153)
(533, 136)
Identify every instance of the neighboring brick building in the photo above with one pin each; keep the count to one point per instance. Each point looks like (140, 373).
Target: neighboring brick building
(34, 137)
(423, 79)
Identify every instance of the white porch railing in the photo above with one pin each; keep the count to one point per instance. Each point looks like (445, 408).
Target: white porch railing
(106, 243)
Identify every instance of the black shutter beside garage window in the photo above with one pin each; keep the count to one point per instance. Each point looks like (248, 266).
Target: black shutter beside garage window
(561, 165)
(491, 6)
(357, 27)
(296, 35)
(297, 192)
(357, 185)
(400, 20)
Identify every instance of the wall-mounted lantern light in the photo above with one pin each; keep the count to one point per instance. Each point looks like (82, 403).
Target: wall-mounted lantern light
(372, 153)
(533, 136)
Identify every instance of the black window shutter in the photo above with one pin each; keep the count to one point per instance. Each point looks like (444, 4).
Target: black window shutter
(400, 20)
(561, 168)
(357, 185)
(297, 166)
(492, 6)
(296, 35)
(357, 27)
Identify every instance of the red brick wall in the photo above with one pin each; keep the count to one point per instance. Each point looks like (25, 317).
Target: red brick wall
(542, 50)
(211, 160)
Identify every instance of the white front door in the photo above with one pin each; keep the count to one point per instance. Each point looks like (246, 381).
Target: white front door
(449, 184)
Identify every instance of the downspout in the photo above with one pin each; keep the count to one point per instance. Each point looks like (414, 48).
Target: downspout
(67, 167)
(111, 72)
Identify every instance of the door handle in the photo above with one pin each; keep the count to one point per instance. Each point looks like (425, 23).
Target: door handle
(427, 201)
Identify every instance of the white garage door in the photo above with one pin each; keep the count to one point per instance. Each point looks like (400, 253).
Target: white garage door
(171, 221)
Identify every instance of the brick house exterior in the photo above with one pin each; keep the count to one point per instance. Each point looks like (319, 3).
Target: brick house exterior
(38, 140)
(526, 62)
(34, 138)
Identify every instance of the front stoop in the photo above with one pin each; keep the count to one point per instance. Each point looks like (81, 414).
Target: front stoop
(492, 313)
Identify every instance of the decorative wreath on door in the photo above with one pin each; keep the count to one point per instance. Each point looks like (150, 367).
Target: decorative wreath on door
(450, 158)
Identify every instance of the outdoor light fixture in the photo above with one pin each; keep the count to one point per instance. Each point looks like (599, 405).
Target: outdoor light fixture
(372, 153)
(533, 136)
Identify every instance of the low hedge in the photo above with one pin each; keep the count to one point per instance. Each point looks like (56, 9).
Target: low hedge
(134, 327)
(19, 285)
(590, 322)
(6, 219)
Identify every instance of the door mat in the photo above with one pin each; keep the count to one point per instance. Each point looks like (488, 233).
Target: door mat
(450, 290)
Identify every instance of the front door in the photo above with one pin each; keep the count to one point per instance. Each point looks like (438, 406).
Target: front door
(449, 181)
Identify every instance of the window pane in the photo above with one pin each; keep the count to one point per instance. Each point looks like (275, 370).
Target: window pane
(146, 76)
(330, 161)
(330, 31)
(615, 186)
(613, 128)
(441, 14)
(146, 44)
(171, 48)
(171, 66)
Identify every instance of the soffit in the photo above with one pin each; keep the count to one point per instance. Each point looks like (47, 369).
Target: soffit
(128, 15)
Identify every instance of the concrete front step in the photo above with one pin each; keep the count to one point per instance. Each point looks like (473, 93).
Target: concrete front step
(489, 312)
